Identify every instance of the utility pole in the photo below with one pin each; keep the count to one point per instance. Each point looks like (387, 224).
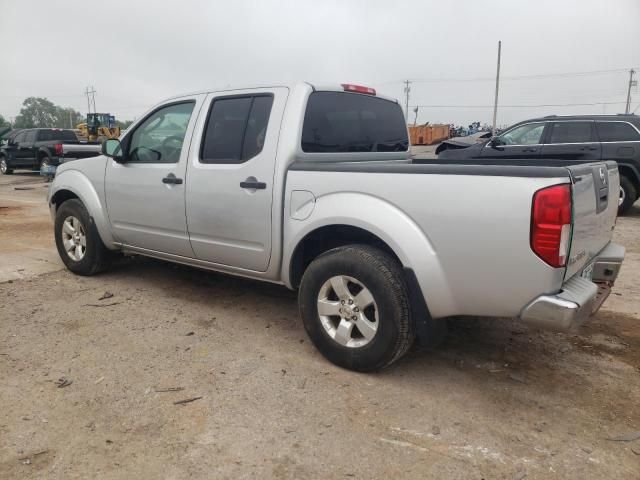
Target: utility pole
(495, 101)
(91, 99)
(632, 83)
(70, 121)
(86, 93)
(407, 89)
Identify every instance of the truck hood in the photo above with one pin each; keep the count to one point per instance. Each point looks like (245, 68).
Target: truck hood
(84, 164)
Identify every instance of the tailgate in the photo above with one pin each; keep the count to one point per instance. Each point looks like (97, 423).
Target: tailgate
(595, 206)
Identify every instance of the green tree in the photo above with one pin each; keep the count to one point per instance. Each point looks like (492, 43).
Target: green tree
(124, 124)
(39, 112)
(67, 118)
(36, 112)
(3, 122)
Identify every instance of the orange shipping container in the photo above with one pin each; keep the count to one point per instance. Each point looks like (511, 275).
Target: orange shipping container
(428, 134)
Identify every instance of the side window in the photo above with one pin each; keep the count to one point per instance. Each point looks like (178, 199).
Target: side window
(570, 132)
(340, 122)
(19, 138)
(30, 137)
(45, 135)
(159, 138)
(236, 129)
(529, 134)
(616, 132)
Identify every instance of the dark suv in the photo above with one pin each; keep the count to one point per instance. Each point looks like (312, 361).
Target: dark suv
(559, 139)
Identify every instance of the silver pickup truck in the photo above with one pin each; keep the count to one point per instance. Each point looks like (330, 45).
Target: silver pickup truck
(312, 187)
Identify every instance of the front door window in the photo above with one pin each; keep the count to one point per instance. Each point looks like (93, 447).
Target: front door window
(159, 138)
(529, 134)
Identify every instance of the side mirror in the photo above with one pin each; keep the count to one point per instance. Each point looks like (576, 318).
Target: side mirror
(112, 148)
(495, 142)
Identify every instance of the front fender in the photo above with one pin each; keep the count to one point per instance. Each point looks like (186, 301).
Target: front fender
(77, 183)
(379, 217)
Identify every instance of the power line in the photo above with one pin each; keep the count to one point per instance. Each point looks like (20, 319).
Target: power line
(513, 77)
(523, 106)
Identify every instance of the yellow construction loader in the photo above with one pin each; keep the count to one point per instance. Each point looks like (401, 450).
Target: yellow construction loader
(98, 128)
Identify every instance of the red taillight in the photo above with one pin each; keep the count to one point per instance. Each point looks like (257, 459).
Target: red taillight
(358, 89)
(551, 224)
(58, 147)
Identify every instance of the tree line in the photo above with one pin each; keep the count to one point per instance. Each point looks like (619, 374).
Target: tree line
(38, 112)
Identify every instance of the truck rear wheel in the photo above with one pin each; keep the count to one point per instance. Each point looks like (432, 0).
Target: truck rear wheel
(355, 307)
(45, 162)
(77, 239)
(628, 195)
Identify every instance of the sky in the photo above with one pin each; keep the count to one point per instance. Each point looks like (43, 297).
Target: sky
(137, 53)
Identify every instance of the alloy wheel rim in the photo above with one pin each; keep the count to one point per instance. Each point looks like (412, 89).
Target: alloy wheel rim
(623, 195)
(347, 311)
(3, 166)
(74, 238)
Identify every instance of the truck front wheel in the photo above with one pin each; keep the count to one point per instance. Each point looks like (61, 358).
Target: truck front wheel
(355, 307)
(4, 167)
(77, 239)
(628, 195)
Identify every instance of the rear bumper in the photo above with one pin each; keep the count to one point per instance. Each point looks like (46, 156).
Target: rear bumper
(579, 298)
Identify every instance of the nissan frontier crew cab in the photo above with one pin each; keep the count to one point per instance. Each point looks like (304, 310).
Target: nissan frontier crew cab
(312, 187)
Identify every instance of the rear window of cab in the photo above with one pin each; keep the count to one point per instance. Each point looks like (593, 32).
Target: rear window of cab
(340, 122)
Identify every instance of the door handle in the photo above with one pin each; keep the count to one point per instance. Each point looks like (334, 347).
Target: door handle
(172, 180)
(253, 184)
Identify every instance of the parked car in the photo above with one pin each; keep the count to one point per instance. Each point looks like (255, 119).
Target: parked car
(463, 142)
(571, 139)
(312, 187)
(42, 148)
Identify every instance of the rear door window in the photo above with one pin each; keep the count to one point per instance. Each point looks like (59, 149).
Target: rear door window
(236, 129)
(617, 132)
(337, 122)
(30, 137)
(571, 132)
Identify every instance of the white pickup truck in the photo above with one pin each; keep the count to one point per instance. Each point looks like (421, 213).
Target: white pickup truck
(312, 187)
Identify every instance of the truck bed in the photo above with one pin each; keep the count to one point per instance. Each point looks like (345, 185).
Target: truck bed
(474, 232)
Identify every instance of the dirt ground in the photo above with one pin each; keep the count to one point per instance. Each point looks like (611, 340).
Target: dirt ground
(496, 401)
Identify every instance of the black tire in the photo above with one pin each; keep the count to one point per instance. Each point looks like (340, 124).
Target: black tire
(45, 161)
(4, 166)
(630, 195)
(382, 276)
(96, 256)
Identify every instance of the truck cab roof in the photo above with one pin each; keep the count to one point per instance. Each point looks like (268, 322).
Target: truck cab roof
(324, 87)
